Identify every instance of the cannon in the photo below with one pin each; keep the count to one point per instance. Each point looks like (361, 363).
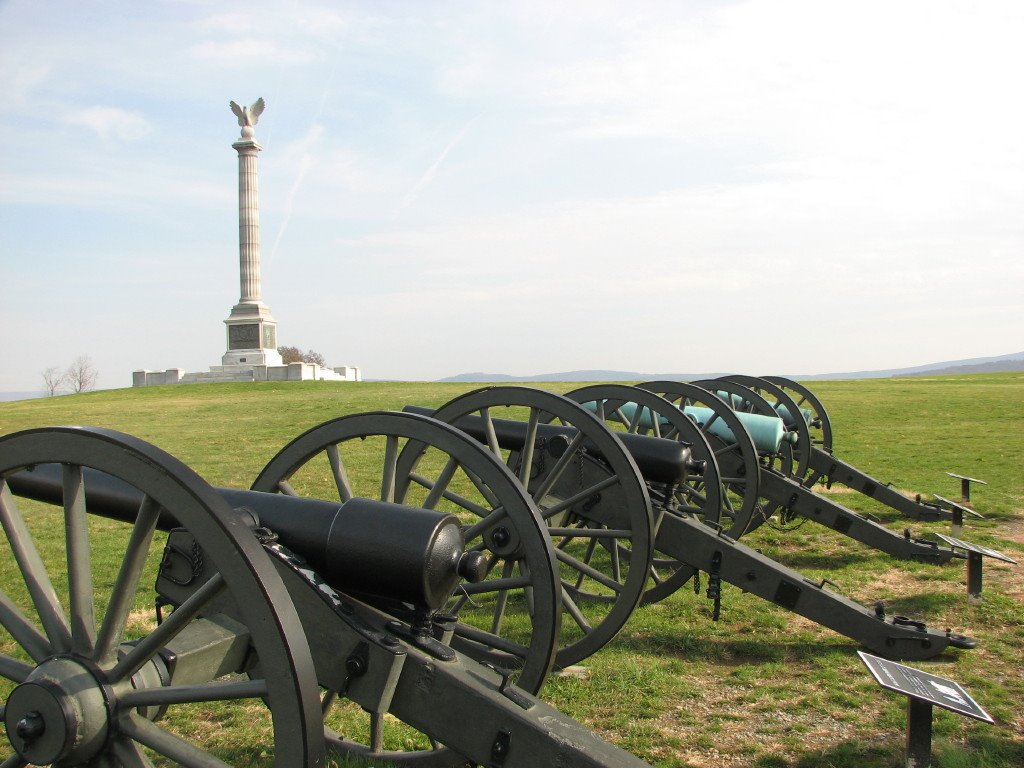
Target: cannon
(776, 492)
(688, 534)
(822, 465)
(595, 594)
(137, 593)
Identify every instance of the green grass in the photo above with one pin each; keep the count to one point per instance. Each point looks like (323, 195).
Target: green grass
(760, 687)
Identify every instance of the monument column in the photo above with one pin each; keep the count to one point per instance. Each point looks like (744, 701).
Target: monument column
(252, 330)
(248, 216)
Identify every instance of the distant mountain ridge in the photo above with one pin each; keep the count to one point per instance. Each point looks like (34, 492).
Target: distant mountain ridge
(997, 364)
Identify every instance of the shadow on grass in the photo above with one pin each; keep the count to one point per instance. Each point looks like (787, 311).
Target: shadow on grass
(923, 604)
(823, 560)
(735, 649)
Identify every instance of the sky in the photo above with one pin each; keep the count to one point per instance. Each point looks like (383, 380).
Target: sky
(760, 186)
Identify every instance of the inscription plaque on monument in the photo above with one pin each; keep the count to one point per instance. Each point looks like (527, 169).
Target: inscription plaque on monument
(244, 336)
(270, 337)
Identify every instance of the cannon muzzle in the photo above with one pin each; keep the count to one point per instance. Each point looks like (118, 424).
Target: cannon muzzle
(361, 546)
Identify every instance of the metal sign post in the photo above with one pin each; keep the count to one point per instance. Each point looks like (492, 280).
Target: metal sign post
(975, 553)
(923, 691)
(965, 485)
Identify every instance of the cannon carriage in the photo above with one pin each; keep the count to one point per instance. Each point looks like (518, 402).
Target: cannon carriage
(118, 627)
(691, 535)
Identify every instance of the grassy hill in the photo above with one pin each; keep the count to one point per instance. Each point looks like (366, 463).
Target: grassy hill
(760, 687)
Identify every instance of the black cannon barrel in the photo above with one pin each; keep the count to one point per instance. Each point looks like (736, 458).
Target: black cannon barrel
(365, 546)
(660, 460)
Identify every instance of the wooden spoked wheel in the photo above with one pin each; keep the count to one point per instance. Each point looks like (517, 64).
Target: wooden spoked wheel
(510, 620)
(590, 493)
(86, 678)
(639, 411)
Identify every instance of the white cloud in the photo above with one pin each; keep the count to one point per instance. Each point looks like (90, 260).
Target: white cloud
(111, 122)
(249, 51)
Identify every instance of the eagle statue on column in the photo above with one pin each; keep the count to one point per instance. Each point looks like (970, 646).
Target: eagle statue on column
(249, 116)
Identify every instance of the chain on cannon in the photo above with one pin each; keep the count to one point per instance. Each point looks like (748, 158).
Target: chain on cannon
(273, 608)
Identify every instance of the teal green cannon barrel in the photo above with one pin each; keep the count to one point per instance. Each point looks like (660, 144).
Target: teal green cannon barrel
(768, 432)
(806, 413)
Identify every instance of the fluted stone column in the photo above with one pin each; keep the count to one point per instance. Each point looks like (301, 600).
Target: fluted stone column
(248, 217)
(252, 330)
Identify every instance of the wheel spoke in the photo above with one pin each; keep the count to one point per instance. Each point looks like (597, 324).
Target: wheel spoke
(503, 584)
(376, 733)
(479, 526)
(502, 601)
(25, 633)
(590, 571)
(574, 610)
(559, 467)
(76, 526)
(548, 512)
(526, 462)
(15, 670)
(167, 744)
(591, 545)
(451, 496)
(492, 437)
(217, 690)
(441, 484)
(490, 640)
(123, 593)
(286, 488)
(593, 533)
(387, 484)
(340, 475)
(327, 701)
(146, 648)
(55, 623)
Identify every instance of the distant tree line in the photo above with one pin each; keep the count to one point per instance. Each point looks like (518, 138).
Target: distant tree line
(80, 376)
(296, 355)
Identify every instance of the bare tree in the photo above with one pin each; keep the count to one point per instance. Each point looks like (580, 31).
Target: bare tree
(314, 357)
(53, 380)
(296, 355)
(80, 375)
(290, 354)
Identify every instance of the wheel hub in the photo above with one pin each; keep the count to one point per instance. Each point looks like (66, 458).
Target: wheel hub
(58, 714)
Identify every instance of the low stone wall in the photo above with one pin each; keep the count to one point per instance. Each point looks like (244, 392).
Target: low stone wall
(146, 378)
(228, 373)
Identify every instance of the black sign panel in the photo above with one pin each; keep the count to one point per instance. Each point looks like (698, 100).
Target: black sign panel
(924, 687)
(244, 336)
(966, 545)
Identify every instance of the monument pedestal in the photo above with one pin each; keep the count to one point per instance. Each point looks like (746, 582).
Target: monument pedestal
(252, 336)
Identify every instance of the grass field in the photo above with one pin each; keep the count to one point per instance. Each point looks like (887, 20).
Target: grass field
(761, 687)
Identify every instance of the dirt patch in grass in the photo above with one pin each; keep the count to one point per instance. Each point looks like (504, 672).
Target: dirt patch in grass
(742, 723)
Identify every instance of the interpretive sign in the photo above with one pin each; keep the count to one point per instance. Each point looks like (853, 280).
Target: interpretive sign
(922, 691)
(913, 682)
